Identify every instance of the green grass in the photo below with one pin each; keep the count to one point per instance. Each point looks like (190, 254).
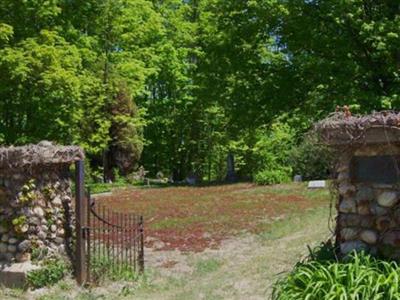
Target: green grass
(322, 276)
(298, 220)
(207, 265)
(105, 268)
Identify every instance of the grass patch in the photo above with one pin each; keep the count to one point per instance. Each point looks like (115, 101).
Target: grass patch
(105, 268)
(322, 276)
(297, 221)
(51, 271)
(207, 266)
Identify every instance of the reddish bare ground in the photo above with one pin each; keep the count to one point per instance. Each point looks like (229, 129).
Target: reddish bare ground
(195, 218)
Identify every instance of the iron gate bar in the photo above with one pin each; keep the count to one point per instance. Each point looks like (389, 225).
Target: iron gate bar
(114, 236)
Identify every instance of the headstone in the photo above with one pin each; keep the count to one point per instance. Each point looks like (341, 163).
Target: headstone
(191, 179)
(230, 175)
(317, 184)
(297, 178)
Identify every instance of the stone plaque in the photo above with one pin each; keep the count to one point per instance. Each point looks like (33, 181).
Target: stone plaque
(375, 169)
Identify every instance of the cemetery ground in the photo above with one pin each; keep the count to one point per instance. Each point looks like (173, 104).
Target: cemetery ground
(213, 242)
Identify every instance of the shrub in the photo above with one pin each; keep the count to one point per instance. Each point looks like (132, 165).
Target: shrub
(271, 153)
(310, 159)
(360, 276)
(273, 176)
(51, 271)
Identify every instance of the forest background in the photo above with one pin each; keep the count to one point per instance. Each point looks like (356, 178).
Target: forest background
(177, 85)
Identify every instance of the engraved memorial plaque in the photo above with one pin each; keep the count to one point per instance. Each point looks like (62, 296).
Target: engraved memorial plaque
(375, 169)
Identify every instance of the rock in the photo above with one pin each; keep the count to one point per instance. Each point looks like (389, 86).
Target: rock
(347, 247)
(377, 210)
(23, 257)
(59, 240)
(38, 211)
(363, 207)
(12, 248)
(17, 176)
(369, 236)
(3, 229)
(8, 256)
(373, 250)
(24, 246)
(57, 201)
(343, 176)
(14, 203)
(343, 166)
(53, 228)
(3, 248)
(45, 144)
(4, 237)
(60, 232)
(348, 234)
(347, 206)
(32, 229)
(43, 228)
(353, 220)
(34, 221)
(12, 241)
(24, 228)
(387, 199)
(346, 189)
(391, 238)
(67, 198)
(383, 223)
(364, 194)
(42, 235)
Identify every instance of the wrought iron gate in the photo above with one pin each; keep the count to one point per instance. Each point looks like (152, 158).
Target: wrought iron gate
(108, 242)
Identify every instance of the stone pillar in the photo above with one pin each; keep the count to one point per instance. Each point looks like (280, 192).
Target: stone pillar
(368, 181)
(36, 213)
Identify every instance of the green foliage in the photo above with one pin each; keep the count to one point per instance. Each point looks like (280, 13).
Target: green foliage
(50, 272)
(104, 267)
(359, 276)
(271, 154)
(311, 159)
(19, 223)
(208, 265)
(177, 85)
(27, 192)
(274, 176)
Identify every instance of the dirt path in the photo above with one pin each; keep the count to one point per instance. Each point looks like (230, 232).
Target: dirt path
(242, 268)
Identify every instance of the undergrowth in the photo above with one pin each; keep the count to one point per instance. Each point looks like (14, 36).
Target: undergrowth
(105, 268)
(50, 272)
(323, 276)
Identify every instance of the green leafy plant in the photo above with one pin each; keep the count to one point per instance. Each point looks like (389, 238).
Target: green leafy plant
(103, 267)
(310, 158)
(19, 223)
(50, 272)
(27, 192)
(271, 152)
(322, 276)
(273, 176)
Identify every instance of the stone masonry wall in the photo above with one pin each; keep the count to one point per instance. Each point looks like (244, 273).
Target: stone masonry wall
(368, 213)
(35, 212)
